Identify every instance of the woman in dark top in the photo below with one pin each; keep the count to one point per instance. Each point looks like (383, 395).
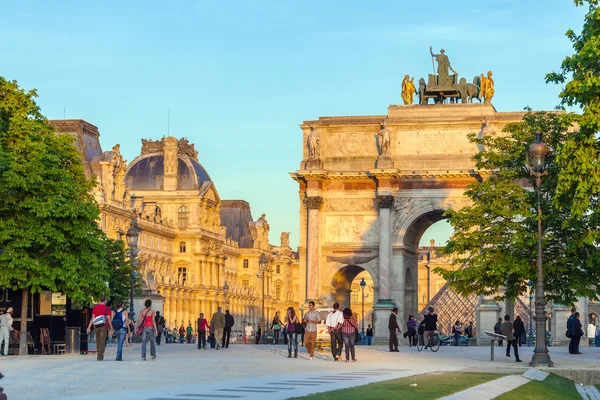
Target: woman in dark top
(276, 328)
(411, 330)
(290, 322)
(519, 329)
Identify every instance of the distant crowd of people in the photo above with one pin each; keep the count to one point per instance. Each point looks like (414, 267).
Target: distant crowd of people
(341, 325)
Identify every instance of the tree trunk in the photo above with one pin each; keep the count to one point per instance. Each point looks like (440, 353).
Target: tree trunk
(24, 305)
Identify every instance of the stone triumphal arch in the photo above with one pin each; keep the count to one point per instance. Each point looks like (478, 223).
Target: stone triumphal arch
(369, 188)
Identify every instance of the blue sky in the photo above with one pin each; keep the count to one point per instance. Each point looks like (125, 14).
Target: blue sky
(238, 77)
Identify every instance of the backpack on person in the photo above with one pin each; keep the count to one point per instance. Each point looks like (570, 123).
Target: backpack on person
(118, 320)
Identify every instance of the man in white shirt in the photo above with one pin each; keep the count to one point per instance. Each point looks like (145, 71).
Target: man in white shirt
(334, 322)
(6, 322)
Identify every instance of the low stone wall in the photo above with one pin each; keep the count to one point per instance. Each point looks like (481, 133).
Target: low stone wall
(587, 377)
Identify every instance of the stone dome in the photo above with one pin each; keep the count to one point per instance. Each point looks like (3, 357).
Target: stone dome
(147, 172)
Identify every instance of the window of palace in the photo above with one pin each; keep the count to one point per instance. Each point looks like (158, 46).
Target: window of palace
(354, 295)
(246, 283)
(182, 275)
(182, 247)
(278, 292)
(277, 269)
(182, 217)
(246, 263)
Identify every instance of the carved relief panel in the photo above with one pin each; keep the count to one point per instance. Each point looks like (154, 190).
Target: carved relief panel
(355, 229)
(349, 144)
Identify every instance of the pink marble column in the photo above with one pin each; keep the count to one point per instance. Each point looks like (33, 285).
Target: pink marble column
(313, 204)
(385, 247)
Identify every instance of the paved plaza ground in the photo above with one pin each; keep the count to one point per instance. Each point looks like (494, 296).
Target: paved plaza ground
(244, 371)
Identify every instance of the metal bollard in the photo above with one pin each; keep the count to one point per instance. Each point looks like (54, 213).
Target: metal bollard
(492, 349)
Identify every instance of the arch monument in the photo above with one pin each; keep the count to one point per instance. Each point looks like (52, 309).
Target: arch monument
(369, 187)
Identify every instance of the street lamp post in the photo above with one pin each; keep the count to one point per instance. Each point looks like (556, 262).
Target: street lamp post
(530, 337)
(362, 288)
(263, 264)
(132, 236)
(538, 152)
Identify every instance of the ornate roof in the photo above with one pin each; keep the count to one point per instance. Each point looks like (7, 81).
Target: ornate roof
(147, 171)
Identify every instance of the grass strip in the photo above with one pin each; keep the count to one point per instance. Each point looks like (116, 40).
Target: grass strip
(418, 387)
(554, 387)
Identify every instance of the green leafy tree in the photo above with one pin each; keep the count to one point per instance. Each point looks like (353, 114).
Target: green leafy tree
(120, 272)
(48, 217)
(578, 183)
(495, 239)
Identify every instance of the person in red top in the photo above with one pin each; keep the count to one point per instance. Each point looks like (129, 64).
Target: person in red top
(349, 328)
(147, 321)
(100, 326)
(202, 328)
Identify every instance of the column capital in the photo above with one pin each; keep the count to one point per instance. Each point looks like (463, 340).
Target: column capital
(385, 201)
(314, 202)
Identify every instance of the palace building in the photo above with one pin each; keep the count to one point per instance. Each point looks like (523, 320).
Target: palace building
(196, 251)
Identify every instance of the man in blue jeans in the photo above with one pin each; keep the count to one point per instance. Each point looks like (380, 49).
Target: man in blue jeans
(120, 323)
(369, 335)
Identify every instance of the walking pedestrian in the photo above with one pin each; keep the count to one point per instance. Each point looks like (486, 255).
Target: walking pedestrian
(507, 330)
(160, 325)
(6, 327)
(369, 335)
(202, 328)
(102, 324)
(498, 330)
(290, 321)
(349, 331)
(519, 328)
(217, 323)
(276, 328)
(334, 322)
(248, 333)
(597, 336)
(181, 334)
(312, 318)
(229, 322)
(411, 330)
(148, 323)
(393, 327)
(430, 325)
(469, 330)
(130, 333)
(258, 335)
(120, 324)
(575, 332)
(189, 333)
(457, 331)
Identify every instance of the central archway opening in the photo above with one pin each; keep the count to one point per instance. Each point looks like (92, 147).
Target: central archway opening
(350, 293)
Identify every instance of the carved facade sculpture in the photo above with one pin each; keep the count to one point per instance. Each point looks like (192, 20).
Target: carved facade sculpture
(443, 62)
(152, 146)
(349, 204)
(352, 229)
(285, 239)
(313, 142)
(408, 90)
(260, 232)
(185, 148)
(384, 135)
(487, 87)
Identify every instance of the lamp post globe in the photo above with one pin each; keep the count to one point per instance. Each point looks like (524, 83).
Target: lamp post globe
(537, 153)
(132, 236)
(363, 284)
